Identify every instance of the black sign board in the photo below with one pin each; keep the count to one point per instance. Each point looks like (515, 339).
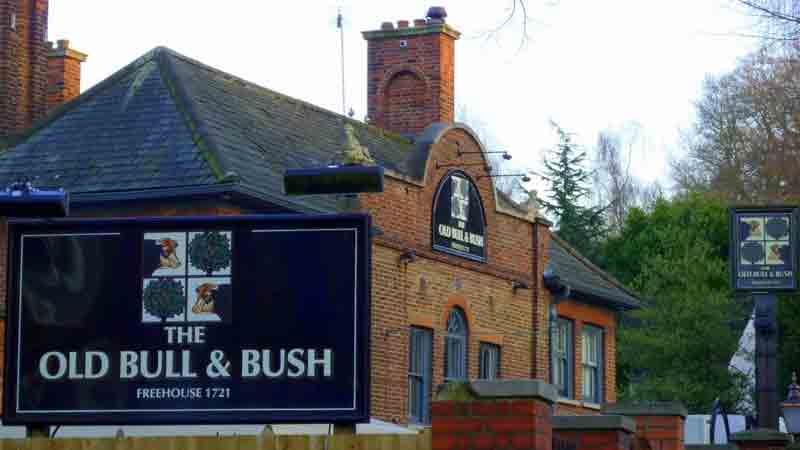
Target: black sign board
(459, 223)
(252, 319)
(763, 248)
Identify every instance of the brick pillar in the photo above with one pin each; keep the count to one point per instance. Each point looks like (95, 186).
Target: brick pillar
(497, 415)
(659, 424)
(540, 369)
(63, 74)
(595, 432)
(410, 73)
(760, 439)
(23, 64)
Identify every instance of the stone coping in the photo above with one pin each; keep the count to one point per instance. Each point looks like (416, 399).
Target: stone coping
(428, 28)
(711, 447)
(760, 434)
(598, 423)
(497, 389)
(646, 409)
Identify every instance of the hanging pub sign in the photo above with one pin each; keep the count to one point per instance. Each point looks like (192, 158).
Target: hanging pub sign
(459, 224)
(251, 319)
(763, 250)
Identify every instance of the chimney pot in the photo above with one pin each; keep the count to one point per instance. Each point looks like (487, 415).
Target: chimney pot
(402, 24)
(420, 22)
(63, 44)
(437, 14)
(387, 26)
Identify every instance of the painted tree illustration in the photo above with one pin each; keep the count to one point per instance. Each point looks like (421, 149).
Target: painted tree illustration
(210, 251)
(164, 298)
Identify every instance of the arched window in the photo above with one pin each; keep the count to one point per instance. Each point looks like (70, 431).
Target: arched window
(455, 346)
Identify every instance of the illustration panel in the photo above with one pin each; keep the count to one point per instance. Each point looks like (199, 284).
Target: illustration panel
(209, 253)
(163, 254)
(210, 300)
(163, 300)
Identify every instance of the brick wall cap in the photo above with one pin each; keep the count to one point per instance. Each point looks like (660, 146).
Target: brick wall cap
(565, 423)
(496, 389)
(760, 435)
(646, 409)
(429, 28)
(66, 53)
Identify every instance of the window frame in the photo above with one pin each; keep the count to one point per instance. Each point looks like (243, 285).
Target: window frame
(568, 358)
(460, 341)
(494, 354)
(592, 363)
(419, 405)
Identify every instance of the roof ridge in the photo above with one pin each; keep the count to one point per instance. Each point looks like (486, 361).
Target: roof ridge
(365, 126)
(186, 107)
(90, 93)
(592, 266)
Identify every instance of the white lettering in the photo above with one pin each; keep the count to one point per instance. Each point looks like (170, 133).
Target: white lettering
(43, 365)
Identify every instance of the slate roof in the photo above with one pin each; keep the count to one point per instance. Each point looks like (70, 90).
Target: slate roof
(587, 282)
(169, 122)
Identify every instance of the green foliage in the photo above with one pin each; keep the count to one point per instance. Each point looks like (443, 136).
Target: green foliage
(568, 190)
(678, 347)
(210, 251)
(164, 298)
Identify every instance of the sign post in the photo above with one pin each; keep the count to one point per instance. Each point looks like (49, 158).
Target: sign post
(763, 262)
(215, 320)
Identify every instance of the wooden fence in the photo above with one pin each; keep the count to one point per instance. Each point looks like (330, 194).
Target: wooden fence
(420, 441)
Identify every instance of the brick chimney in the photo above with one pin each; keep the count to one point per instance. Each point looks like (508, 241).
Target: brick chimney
(24, 68)
(63, 74)
(410, 76)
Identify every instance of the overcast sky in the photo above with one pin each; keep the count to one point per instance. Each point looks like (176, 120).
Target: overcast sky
(590, 65)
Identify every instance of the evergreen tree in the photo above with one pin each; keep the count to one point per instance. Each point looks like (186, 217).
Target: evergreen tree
(568, 191)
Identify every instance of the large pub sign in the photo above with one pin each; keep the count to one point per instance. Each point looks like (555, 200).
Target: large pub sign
(459, 223)
(252, 319)
(763, 248)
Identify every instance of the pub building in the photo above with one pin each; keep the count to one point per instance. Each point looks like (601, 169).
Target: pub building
(466, 282)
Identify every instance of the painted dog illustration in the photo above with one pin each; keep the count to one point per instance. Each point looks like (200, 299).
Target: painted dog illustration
(160, 254)
(213, 299)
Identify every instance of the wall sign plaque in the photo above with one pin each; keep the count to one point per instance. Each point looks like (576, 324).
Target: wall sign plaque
(459, 223)
(763, 248)
(252, 319)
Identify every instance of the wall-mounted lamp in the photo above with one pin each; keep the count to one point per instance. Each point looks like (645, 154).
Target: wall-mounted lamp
(486, 166)
(408, 256)
(460, 152)
(22, 199)
(558, 288)
(517, 285)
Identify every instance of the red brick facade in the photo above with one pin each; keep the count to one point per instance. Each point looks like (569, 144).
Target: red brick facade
(23, 64)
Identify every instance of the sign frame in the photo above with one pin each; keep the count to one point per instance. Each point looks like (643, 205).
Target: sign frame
(744, 284)
(473, 192)
(134, 228)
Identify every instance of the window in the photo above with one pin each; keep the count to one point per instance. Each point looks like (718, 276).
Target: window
(592, 364)
(419, 374)
(455, 346)
(562, 352)
(490, 361)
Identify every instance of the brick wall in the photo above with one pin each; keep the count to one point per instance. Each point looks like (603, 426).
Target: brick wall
(23, 64)
(422, 293)
(493, 415)
(410, 75)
